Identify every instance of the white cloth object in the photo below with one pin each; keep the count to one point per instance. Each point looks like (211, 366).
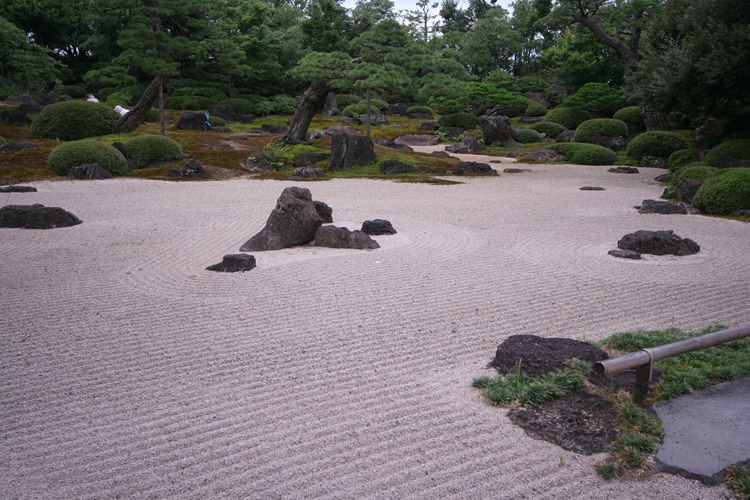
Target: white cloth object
(121, 110)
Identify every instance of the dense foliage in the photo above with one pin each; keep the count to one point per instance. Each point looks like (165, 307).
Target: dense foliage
(147, 148)
(569, 118)
(527, 135)
(697, 172)
(74, 153)
(552, 129)
(73, 120)
(465, 121)
(657, 143)
(738, 148)
(607, 127)
(585, 154)
(680, 158)
(725, 192)
(631, 115)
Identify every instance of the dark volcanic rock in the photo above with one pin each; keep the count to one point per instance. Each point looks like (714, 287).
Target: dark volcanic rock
(469, 144)
(614, 143)
(398, 109)
(293, 222)
(330, 107)
(377, 226)
(658, 243)
(350, 151)
(341, 237)
(710, 128)
(624, 254)
(389, 144)
(686, 189)
(308, 159)
(377, 120)
(15, 117)
(623, 170)
(193, 121)
(452, 133)
(325, 212)
(234, 263)
(15, 188)
(420, 116)
(36, 217)
(225, 111)
(430, 126)
(15, 147)
(539, 356)
(544, 155)
(89, 171)
(664, 177)
(664, 207)
(192, 169)
(513, 170)
(392, 167)
(591, 188)
(498, 132)
(473, 167)
(308, 173)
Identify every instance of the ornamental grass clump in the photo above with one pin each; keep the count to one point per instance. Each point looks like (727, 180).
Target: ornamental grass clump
(71, 154)
(74, 120)
(581, 153)
(656, 143)
(607, 127)
(147, 148)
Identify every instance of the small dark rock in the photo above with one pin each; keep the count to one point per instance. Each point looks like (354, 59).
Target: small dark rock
(623, 170)
(193, 121)
(614, 143)
(654, 162)
(89, 171)
(441, 153)
(36, 217)
(625, 254)
(473, 167)
(224, 111)
(15, 188)
(710, 128)
(15, 117)
(307, 159)
(325, 212)
(394, 167)
(430, 126)
(258, 162)
(565, 136)
(341, 237)
(591, 188)
(664, 207)
(686, 189)
(728, 162)
(666, 178)
(377, 226)
(15, 147)
(234, 263)
(192, 169)
(513, 170)
(389, 144)
(397, 109)
(658, 243)
(308, 173)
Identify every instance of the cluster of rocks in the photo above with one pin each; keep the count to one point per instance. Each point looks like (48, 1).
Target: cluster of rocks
(298, 220)
(15, 147)
(632, 245)
(28, 104)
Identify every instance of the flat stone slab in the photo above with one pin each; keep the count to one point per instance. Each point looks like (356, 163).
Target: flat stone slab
(706, 431)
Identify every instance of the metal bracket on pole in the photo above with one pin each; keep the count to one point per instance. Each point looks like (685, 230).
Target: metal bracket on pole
(643, 379)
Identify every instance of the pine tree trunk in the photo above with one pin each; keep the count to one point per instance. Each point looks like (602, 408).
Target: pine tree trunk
(161, 109)
(137, 115)
(312, 101)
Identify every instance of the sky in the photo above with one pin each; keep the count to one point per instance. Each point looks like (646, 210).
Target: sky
(409, 4)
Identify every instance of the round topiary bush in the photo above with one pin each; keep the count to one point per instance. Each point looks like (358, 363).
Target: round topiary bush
(725, 192)
(73, 120)
(535, 109)
(152, 115)
(657, 143)
(585, 154)
(74, 91)
(527, 135)
(419, 109)
(465, 121)
(217, 121)
(147, 148)
(608, 127)
(240, 105)
(71, 154)
(359, 109)
(569, 118)
(378, 103)
(698, 172)
(680, 158)
(552, 129)
(263, 107)
(197, 103)
(631, 115)
(736, 149)
(344, 100)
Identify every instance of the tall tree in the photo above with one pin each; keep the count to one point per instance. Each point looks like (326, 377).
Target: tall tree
(420, 19)
(24, 65)
(326, 26)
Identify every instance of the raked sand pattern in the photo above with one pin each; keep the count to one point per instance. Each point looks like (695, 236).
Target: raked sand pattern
(129, 371)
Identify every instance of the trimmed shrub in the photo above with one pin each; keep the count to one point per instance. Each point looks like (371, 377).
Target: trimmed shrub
(284, 104)
(174, 102)
(197, 103)
(419, 109)
(608, 127)
(217, 121)
(359, 109)
(569, 118)
(552, 129)
(263, 108)
(74, 153)
(344, 100)
(742, 134)
(656, 143)
(378, 103)
(535, 109)
(465, 121)
(698, 172)
(73, 120)
(598, 97)
(738, 148)
(680, 158)
(104, 93)
(152, 115)
(74, 91)
(147, 148)
(631, 115)
(240, 105)
(585, 154)
(725, 192)
(527, 135)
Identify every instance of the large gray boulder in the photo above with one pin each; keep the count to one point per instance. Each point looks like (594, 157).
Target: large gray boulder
(349, 151)
(341, 237)
(293, 222)
(89, 171)
(686, 189)
(330, 107)
(615, 143)
(498, 132)
(36, 217)
(665, 207)
(193, 121)
(469, 144)
(658, 243)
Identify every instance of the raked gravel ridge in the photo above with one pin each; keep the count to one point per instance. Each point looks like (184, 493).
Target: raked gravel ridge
(129, 371)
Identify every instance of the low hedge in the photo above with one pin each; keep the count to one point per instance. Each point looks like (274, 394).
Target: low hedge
(147, 148)
(535, 109)
(631, 115)
(725, 192)
(608, 127)
(569, 118)
(74, 120)
(657, 143)
(359, 109)
(465, 121)
(737, 148)
(552, 129)
(698, 172)
(240, 105)
(284, 104)
(189, 102)
(585, 154)
(419, 109)
(527, 135)
(680, 158)
(74, 153)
